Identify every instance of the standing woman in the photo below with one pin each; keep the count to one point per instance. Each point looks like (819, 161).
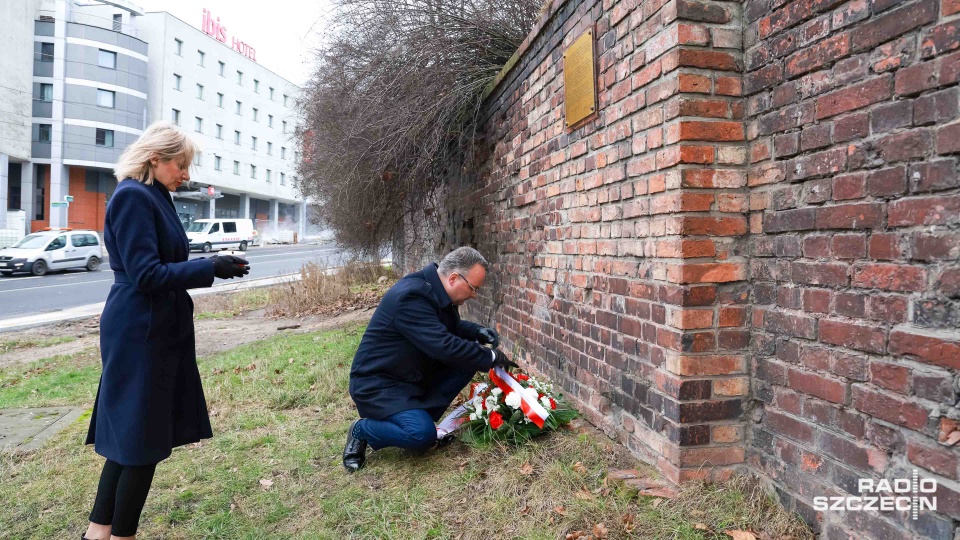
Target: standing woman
(150, 399)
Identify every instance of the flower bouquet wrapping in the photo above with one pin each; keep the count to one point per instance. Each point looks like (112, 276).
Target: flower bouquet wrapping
(512, 408)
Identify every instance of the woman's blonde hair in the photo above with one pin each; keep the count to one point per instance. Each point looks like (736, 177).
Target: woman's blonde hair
(163, 141)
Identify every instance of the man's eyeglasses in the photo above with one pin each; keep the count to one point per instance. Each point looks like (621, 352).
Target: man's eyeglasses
(472, 288)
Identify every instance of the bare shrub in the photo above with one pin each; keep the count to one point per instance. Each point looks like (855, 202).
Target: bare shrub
(393, 104)
(320, 290)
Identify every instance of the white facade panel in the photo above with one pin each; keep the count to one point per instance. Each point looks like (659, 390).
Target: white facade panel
(16, 65)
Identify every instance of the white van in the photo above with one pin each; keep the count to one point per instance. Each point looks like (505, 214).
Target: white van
(54, 249)
(208, 234)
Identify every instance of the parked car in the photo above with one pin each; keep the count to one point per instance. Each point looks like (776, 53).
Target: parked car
(208, 234)
(53, 249)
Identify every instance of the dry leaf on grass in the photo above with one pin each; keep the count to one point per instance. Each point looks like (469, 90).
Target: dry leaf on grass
(740, 535)
(265, 483)
(701, 527)
(575, 535)
(525, 511)
(584, 494)
(526, 469)
(600, 530)
(560, 510)
(628, 524)
(578, 466)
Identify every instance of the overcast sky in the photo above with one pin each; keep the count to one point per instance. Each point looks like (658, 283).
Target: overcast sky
(283, 32)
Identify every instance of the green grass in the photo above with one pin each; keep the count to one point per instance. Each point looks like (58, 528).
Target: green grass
(280, 410)
(20, 344)
(228, 306)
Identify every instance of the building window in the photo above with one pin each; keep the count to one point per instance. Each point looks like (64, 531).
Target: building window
(269, 148)
(285, 100)
(46, 52)
(105, 137)
(284, 127)
(283, 152)
(179, 47)
(219, 100)
(176, 117)
(271, 93)
(256, 86)
(117, 22)
(46, 92)
(239, 77)
(283, 179)
(216, 162)
(219, 131)
(253, 171)
(201, 56)
(198, 124)
(268, 175)
(222, 68)
(176, 81)
(199, 91)
(253, 143)
(269, 120)
(106, 98)
(239, 105)
(198, 158)
(236, 167)
(107, 59)
(236, 137)
(44, 133)
(255, 111)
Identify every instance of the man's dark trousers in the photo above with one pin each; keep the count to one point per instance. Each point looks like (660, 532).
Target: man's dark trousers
(414, 428)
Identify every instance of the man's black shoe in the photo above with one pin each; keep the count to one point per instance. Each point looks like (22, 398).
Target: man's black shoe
(445, 440)
(355, 451)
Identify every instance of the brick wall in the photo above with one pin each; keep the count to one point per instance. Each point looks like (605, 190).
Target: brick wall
(749, 257)
(855, 238)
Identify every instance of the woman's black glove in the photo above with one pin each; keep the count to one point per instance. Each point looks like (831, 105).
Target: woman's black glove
(229, 267)
(500, 360)
(488, 336)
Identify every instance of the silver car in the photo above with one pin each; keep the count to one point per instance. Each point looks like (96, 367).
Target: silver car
(56, 249)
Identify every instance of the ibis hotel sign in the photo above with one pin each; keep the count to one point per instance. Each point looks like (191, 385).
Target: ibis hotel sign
(216, 30)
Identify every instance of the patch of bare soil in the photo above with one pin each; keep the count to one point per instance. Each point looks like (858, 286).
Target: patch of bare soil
(213, 335)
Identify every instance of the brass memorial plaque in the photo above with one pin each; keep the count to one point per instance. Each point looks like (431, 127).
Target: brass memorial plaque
(579, 80)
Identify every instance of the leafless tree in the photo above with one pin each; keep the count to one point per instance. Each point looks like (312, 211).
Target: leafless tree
(393, 104)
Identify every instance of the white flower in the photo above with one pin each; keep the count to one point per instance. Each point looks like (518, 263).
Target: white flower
(496, 391)
(513, 400)
(531, 393)
(545, 401)
(491, 403)
(473, 416)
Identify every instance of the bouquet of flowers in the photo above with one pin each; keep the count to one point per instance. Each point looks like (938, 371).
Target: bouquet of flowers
(513, 408)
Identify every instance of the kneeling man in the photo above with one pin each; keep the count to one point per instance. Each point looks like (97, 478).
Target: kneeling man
(417, 355)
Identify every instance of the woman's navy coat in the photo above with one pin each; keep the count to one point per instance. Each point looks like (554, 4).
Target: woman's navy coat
(150, 399)
(414, 345)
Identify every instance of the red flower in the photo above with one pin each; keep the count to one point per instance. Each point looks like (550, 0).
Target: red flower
(553, 404)
(522, 377)
(496, 420)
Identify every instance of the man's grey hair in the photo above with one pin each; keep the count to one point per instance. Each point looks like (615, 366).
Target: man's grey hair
(461, 260)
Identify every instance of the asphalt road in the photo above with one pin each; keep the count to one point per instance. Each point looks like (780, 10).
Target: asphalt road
(22, 294)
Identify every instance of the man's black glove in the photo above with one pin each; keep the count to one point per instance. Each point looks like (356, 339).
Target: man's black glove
(500, 360)
(229, 267)
(488, 336)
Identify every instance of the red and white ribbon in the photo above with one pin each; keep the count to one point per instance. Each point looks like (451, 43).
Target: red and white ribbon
(458, 416)
(530, 407)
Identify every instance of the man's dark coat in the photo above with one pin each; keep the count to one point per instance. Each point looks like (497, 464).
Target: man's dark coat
(413, 343)
(150, 399)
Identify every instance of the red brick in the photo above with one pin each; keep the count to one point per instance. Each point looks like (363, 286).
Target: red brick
(893, 24)
(713, 178)
(705, 365)
(814, 137)
(950, 7)
(849, 186)
(849, 246)
(924, 211)
(931, 347)
(728, 86)
(935, 247)
(820, 163)
(706, 273)
(900, 411)
(710, 131)
(809, 273)
(768, 76)
(789, 426)
(916, 79)
(891, 277)
(949, 282)
(854, 97)
(852, 336)
(940, 39)
(888, 116)
(890, 376)
(940, 460)
(850, 216)
(713, 226)
(948, 139)
(696, 154)
(816, 300)
(934, 176)
(817, 385)
(887, 182)
(819, 55)
(698, 11)
(708, 59)
(885, 246)
(851, 126)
